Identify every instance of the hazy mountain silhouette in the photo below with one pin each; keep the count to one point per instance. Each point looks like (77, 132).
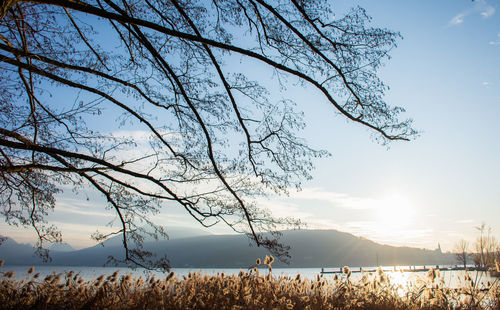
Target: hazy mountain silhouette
(172, 232)
(61, 247)
(309, 248)
(15, 253)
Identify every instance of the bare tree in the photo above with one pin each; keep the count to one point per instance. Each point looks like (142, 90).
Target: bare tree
(486, 248)
(216, 138)
(462, 251)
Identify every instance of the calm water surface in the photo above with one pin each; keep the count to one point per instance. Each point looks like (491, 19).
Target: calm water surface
(450, 278)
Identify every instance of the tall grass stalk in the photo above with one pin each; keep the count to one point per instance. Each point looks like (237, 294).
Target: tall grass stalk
(247, 290)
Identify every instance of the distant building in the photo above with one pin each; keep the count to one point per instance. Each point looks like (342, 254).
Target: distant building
(438, 248)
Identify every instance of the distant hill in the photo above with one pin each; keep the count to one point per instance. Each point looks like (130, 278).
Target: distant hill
(172, 232)
(13, 252)
(309, 248)
(61, 247)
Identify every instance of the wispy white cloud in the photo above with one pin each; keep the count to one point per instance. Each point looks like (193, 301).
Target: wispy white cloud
(19, 234)
(496, 42)
(285, 209)
(77, 235)
(488, 11)
(458, 19)
(74, 206)
(336, 199)
(480, 7)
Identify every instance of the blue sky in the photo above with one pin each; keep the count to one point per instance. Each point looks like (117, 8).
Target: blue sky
(446, 73)
(437, 188)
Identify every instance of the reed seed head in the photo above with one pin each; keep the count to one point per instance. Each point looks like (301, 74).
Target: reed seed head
(347, 271)
(266, 260)
(431, 274)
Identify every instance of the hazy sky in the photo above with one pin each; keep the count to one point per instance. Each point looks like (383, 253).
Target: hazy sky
(446, 73)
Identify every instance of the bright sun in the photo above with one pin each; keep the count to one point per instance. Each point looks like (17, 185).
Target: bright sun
(395, 211)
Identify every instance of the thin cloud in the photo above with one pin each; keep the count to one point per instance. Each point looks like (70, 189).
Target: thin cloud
(480, 7)
(458, 19)
(495, 42)
(336, 199)
(284, 209)
(488, 12)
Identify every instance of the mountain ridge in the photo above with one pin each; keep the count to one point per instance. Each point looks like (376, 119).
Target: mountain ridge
(309, 248)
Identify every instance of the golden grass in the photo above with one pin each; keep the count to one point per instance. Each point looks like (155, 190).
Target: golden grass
(247, 290)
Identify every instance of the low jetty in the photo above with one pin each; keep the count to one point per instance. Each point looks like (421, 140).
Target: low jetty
(404, 269)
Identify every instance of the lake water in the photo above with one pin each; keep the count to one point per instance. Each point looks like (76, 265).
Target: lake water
(450, 278)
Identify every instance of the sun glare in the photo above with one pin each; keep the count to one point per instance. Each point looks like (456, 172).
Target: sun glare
(395, 211)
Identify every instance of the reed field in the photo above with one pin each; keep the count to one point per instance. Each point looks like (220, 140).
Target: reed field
(248, 290)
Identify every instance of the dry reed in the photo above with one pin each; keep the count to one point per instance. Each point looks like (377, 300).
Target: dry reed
(247, 290)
